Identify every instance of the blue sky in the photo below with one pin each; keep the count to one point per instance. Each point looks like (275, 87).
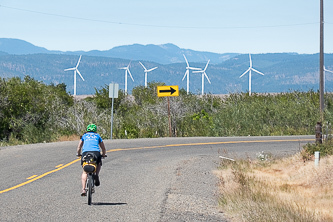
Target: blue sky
(240, 26)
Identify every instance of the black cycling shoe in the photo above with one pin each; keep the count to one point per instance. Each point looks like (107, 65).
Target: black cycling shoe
(97, 183)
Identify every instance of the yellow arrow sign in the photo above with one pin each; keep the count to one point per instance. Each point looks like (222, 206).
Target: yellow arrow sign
(167, 91)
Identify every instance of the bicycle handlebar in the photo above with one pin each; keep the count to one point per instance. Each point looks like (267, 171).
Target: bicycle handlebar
(79, 155)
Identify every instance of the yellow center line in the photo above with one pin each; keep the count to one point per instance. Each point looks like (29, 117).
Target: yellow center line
(61, 166)
(31, 177)
(209, 143)
(38, 177)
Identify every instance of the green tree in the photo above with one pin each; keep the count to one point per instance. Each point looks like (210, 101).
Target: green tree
(28, 107)
(147, 95)
(102, 99)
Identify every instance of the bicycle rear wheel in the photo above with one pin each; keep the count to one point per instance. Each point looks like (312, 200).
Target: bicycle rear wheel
(90, 187)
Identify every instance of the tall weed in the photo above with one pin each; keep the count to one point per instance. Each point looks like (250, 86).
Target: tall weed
(245, 196)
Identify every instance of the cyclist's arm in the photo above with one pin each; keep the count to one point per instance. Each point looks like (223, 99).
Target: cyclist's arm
(103, 148)
(79, 147)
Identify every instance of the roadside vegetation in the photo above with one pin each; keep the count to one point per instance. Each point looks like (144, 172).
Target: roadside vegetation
(288, 189)
(32, 112)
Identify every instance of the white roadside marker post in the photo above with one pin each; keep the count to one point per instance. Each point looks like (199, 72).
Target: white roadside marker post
(317, 158)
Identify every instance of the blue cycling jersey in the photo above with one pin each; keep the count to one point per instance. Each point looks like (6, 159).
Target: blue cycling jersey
(91, 142)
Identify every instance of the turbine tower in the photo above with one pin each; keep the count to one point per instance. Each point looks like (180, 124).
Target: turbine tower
(75, 71)
(250, 74)
(187, 73)
(203, 77)
(146, 72)
(126, 68)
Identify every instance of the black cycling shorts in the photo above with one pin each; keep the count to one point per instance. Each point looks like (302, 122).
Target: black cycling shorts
(97, 153)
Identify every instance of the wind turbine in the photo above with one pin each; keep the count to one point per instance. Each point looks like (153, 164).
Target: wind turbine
(326, 70)
(187, 73)
(250, 74)
(75, 71)
(203, 77)
(146, 71)
(126, 68)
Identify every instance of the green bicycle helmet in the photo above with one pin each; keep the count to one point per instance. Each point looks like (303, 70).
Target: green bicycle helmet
(91, 128)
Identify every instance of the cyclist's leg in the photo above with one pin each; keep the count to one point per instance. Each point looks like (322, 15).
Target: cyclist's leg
(98, 169)
(84, 180)
(99, 162)
(83, 177)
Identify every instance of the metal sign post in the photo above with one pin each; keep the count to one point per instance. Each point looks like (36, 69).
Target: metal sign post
(113, 93)
(169, 118)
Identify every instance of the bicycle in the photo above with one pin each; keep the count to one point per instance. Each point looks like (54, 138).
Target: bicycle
(89, 166)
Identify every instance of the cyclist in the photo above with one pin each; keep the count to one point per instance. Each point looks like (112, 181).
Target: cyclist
(91, 142)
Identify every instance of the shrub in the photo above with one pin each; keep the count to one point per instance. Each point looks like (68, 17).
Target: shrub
(326, 148)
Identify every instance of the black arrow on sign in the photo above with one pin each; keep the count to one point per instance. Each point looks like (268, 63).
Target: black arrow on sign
(171, 90)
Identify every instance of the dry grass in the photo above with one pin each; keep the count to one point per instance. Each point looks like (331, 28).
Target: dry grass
(14, 142)
(68, 138)
(281, 190)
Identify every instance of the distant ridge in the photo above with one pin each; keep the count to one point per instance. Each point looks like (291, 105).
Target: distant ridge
(19, 47)
(163, 54)
(283, 71)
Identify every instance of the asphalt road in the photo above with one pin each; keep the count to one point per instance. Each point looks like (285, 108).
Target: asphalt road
(165, 179)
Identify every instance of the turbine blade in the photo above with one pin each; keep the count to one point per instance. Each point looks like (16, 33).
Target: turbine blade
(257, 71)
(143, 66)
(207, 77)
(151, 69)
(326, 70)
(80, 74)
(69, 69)
(245, 72)
(186, 60)
(78, 62)
(206, 65)
(192, 68)
(250, 60)
(185, 75)
(130, 74)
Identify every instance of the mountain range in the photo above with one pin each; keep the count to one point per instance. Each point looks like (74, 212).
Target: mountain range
(283, 71)
(163, 54)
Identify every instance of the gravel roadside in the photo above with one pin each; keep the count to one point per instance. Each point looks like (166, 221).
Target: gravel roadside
(193, 196)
